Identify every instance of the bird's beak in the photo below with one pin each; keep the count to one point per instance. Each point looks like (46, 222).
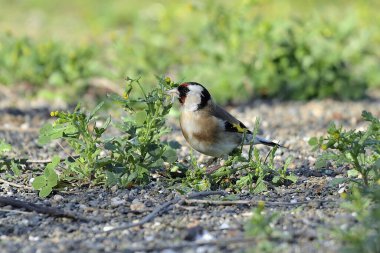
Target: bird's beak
(173, 93)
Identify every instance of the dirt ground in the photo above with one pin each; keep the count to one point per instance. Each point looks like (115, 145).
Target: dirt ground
(185, 226)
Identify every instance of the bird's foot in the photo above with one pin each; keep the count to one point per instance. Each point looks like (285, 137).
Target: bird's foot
(213, 169)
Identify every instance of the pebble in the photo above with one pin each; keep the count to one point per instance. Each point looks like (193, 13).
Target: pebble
(116, 201)
(137, 205)
(57, 198)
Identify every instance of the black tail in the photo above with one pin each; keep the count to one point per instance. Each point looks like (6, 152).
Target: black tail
(267, 142)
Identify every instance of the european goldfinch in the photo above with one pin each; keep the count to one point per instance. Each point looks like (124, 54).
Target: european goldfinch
(207, 127)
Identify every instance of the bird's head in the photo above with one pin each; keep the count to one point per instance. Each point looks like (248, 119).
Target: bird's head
(191, 95)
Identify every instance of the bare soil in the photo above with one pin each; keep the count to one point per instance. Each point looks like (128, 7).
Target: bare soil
(308, 209)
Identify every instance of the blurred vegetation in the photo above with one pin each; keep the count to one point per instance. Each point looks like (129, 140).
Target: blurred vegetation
(238, 49)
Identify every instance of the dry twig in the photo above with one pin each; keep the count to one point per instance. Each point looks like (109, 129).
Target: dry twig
(38, 208)
(31, 161)
(250, 202)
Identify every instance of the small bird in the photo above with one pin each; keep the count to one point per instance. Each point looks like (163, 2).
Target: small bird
(207, 127)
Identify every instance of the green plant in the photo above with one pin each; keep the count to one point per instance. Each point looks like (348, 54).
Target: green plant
(360, 150)
(4, 147)
(261, 226)
(49, 179)
(79, 129)
(6, 163)
(240, 172)
(257, 51)
(127, 159)
(47, 64)
(362, 236)
(140, 150)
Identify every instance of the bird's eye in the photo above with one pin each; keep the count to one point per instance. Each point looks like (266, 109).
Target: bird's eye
(183, 90)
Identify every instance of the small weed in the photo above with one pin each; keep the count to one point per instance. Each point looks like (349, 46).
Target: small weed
(140, 150)
(79, 129)
(261, 226)
(362, 236)
(126, 160)
(360, 150)
(8, 164)
(49, 179)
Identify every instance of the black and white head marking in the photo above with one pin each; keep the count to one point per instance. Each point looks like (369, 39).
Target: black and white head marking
(193, 95)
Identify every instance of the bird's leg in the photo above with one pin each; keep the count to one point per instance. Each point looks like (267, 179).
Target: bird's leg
(215, 167)
(211, 161)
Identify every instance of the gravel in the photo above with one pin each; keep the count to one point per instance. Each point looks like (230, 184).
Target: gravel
(307, 227)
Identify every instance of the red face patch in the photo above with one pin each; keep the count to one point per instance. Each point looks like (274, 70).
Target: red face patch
(183, 90)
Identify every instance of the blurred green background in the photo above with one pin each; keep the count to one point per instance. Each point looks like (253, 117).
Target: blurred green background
(286, 49)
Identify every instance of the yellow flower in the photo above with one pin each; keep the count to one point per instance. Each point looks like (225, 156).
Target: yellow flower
(54, 113)
(168, 80)
(125, 95)
(323, 146)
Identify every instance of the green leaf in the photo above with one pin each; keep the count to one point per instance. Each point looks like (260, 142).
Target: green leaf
(337, 181)
(170, 155)
(352, 173)
(45, 191)
(52, 178)
(140, 117)
(15, 168)
(158, 163)
(4, 147)
(55, 160)
(95, 110)
(276, 179)
(112, 178)
(313, 141)
(48, 132)
(39, 182)
(292, 178)
(260, 186)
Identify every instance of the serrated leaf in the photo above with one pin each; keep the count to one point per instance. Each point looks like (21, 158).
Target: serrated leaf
(39, 182)
(45, 191)
(49, 133)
